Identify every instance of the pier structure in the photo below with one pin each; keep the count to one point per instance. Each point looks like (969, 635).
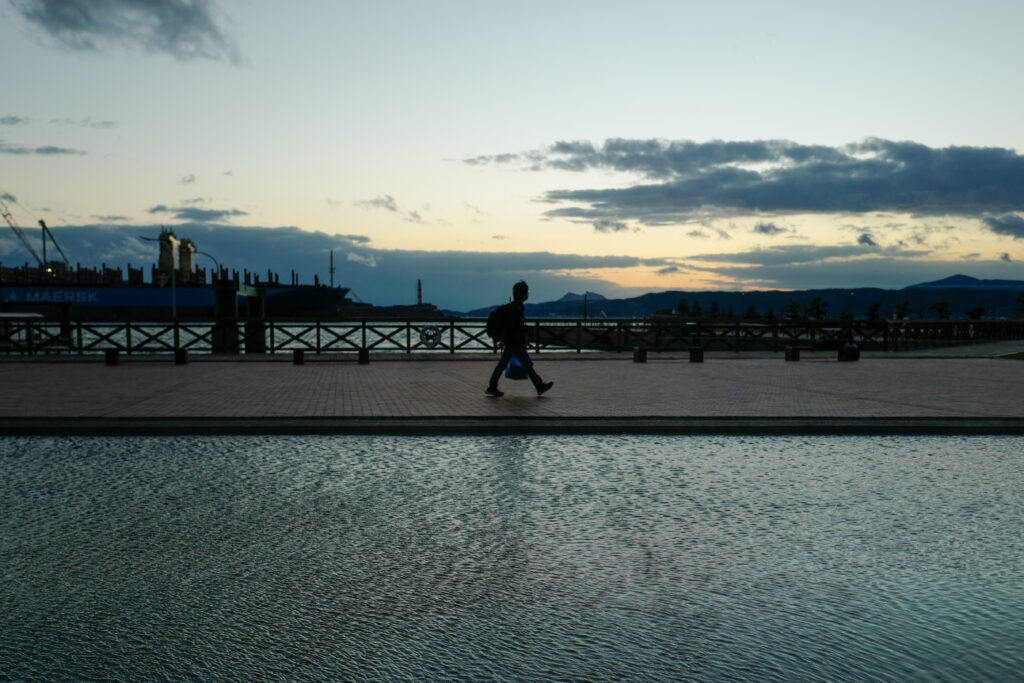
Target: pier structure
(961, 390)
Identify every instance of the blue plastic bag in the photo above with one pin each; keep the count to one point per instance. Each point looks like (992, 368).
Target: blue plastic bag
(515, 369)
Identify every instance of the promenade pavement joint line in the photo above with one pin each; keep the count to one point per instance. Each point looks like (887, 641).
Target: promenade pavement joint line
(754, 395)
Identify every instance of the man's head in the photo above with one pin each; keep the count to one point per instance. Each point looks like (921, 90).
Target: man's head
(520, 291)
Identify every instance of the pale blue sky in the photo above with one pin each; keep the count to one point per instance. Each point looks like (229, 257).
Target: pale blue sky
(360, 119)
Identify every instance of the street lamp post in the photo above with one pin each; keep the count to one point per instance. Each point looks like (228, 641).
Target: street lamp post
(210, 256)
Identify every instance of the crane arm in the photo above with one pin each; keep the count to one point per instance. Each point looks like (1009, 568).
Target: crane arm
(17, 231)
(53, 239)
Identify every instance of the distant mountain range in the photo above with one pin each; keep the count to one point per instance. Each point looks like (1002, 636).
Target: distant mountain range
(960, 292)
(589, 296)
(968, 282)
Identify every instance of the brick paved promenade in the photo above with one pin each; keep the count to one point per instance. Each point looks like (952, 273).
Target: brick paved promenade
(964, 390)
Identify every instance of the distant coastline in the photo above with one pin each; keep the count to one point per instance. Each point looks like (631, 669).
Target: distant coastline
(962, 294)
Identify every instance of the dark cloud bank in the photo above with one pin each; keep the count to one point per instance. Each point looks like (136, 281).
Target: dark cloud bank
(460, 280)
(185, 29)
(684, 179)
(456, 280)
(45, 150)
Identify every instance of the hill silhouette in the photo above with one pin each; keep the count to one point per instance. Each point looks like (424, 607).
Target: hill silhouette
(961, 292)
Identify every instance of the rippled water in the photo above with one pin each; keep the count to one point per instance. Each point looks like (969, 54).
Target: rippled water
(512, 558)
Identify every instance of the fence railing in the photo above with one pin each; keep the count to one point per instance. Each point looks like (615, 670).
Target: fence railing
(36, 336)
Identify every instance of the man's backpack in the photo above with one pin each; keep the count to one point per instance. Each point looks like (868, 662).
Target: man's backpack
(496, 322)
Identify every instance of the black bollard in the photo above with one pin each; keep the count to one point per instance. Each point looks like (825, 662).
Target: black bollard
(639, 354)
(696, 355)
(849, 355)
(364, 356)
(792, 353)
(112, 357)
(298, 356)
(181, 356)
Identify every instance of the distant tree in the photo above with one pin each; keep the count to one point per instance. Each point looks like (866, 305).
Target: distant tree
(903, 310)
(751, 313)
(941, 309)
(872, 311)
(696, 309)
(976, 312)
(713, 309)
(817, 309)
(683, 307)
(846, 315)
(731, 312)
(770, 314)
(792, 310)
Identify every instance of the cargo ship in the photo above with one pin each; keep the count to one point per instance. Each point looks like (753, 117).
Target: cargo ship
(177, 289)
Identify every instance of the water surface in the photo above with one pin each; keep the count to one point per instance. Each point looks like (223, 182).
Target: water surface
(512, 558)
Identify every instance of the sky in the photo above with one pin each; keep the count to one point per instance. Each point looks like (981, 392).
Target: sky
(615, 147)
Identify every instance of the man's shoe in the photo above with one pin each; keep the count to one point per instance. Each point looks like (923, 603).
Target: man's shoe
(493, 391)
(544, 387)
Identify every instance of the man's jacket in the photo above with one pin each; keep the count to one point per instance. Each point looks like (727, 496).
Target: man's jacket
(515, 326)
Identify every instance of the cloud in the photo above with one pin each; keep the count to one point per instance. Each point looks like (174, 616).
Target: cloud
(11, 120)
(364, 259)
(459, 280)
(7, 197)
(685, 179)
(387, 203)
(866, 240)
(46, 150)
(791, 254)
(187, 180)
(192, 213)
(769, 229)
(1010, 224)
(885, 272)
(111, 218)
(184, 29)
(51, 149)
(87, 122)
(668, 270)
(1006, 257)
(495, 159)
(609, 226)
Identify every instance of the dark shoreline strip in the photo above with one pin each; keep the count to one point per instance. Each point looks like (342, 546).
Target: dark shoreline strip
(37, 426)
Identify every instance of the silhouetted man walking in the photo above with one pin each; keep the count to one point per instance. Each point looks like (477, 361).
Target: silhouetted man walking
(514, 339)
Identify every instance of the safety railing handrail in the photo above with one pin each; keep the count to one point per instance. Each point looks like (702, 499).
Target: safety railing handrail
(32, 335)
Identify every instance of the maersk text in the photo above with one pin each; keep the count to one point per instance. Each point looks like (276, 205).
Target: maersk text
(62, 296)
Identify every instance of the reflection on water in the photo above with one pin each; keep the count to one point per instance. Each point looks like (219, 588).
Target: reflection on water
(512, 558)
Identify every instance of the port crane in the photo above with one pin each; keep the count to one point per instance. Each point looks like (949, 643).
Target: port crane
(46, 231)
(28, 245)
